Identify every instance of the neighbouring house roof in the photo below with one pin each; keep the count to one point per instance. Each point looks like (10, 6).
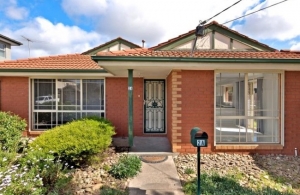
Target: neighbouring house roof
(217, 27)
(59, 62)
(291, 51)
(110, 43)
(9, 40)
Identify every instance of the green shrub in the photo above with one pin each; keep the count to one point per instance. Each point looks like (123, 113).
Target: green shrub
(127, 166)
(189, 171)
(11, 127)
(107, 190)
(100, 119)
(77, 141)
(6, 158)
(36, 173)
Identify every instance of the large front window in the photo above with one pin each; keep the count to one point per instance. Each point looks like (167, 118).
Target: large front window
(58, 101)
(248, 107)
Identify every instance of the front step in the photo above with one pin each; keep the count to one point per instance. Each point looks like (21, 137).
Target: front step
(164, 192)
(137, 191)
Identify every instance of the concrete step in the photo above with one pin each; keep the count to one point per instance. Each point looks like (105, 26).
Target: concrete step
(138, 191)
(164, 192)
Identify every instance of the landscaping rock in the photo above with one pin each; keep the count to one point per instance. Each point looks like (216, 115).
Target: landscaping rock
(254, 168)
(90, 179)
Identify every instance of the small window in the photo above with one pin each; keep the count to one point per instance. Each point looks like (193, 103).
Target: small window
(2, 50)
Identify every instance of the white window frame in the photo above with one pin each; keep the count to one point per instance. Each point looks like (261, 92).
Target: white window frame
(3, 50)
(281, 126)
(33, 111)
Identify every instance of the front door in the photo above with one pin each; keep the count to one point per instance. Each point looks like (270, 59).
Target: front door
(154, 106)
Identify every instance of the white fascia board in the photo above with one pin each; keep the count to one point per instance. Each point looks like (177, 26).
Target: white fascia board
(202, 65)
(55, 74)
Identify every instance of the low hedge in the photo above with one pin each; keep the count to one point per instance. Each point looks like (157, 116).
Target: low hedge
(77, 141)
(11, 128)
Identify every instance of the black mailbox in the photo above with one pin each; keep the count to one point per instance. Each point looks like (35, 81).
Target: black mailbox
(198, 137)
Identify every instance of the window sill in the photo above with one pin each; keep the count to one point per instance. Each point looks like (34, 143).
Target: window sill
(35, 133)
(249, 147)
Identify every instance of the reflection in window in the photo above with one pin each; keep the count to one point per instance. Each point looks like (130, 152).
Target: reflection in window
(2, 50)
(247, 107)
(93, 94)
(57, 102)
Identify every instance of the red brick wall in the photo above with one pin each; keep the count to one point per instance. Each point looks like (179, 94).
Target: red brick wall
(14, 96)
(197, 107)
(117, 104)
(292, 112)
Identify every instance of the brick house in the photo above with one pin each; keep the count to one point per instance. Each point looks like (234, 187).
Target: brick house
(243, 93)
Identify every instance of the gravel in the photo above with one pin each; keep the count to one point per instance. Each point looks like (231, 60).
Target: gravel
(276, 171)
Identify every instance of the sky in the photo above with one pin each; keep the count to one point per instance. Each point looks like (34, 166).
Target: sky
(56, 27)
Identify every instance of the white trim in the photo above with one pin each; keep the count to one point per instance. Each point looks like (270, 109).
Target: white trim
(57, 111)
(104, 96)
(246, 101)
(215, 114)
(29, 105)
(282, 107)
(249, 71)
(55, 74)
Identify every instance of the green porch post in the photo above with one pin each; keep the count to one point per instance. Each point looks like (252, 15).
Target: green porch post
(130, 107)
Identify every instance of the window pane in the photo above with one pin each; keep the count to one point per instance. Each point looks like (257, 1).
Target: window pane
(259, 95)
(69, 94)
(230, 130)
(266, 129)
(263, 94)
(2, 50)
(47, 115)
(93, 94)
(44, 94)
(64, 117)
(44, 120)
(230, 94)
(87, 114)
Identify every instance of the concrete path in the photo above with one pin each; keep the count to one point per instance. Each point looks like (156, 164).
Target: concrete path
(156, 179)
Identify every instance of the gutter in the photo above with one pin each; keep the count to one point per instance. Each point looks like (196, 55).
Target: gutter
(55, 70)
(195, 60)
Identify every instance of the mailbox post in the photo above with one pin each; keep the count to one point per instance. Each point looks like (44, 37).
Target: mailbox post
(198, 139)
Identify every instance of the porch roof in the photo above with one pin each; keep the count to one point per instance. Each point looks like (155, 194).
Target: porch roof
(148, 63)
(202, 54)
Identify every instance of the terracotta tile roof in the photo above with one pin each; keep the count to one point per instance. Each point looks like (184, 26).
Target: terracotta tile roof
(212, 54)
(109, 42)
(291, 51)
(67, 62)
(206, 26)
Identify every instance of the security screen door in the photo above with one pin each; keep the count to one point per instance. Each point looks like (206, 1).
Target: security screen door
(154, 106)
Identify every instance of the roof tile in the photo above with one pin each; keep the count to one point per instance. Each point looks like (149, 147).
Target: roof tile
(67, 62)
(205, 54)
